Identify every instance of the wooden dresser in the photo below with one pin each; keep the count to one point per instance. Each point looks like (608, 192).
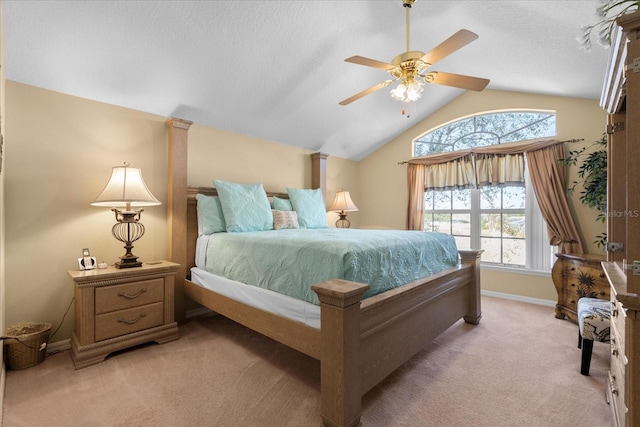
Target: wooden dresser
(576, 276)
(623, 391)
(120, 308)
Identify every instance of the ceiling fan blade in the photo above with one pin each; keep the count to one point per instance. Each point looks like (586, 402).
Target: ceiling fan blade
(450, 45)
(366, 92)
(457, 80)
(361, 60)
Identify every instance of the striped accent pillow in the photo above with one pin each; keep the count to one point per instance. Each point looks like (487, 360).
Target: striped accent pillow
(284, 219)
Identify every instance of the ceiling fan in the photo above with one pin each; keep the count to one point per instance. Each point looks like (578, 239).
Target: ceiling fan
(411, 68)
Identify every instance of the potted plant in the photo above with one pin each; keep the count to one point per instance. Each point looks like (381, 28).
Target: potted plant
(592, 174)
(608, 12)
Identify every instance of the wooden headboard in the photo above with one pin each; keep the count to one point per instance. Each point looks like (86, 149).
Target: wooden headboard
(181, 204)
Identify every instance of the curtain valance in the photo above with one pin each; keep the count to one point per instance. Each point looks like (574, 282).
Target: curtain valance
(501, 164)
(499, 149)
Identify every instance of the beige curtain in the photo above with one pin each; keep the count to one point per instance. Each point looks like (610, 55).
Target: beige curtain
(499, 170)
(415, 210)
(548, 181)
(496, 165)
(457, 173)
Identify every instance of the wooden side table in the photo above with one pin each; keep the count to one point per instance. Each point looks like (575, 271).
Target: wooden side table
(576, 276)
(120, 308)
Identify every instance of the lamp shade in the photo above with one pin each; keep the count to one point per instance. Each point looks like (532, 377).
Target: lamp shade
(125, 188)
(343, 202)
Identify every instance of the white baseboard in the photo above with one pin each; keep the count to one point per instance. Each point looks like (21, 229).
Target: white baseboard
(58, 346)
(520, 298)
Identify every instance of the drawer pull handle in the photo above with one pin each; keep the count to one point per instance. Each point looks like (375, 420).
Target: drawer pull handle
(136, 295)
(131, 322)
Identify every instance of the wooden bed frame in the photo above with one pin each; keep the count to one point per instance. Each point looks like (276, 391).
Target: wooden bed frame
(360, 342)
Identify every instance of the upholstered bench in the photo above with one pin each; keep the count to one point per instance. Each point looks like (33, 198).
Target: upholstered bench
(594, 320)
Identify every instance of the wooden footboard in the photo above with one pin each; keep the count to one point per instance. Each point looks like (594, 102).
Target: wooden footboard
(361, 342)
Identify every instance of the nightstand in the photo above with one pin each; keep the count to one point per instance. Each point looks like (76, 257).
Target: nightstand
(119, 308)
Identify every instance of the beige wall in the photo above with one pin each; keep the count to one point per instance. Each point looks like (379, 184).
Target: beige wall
(383, 183)
(59, 153)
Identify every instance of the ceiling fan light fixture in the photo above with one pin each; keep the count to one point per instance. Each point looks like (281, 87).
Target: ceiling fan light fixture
(408, 92)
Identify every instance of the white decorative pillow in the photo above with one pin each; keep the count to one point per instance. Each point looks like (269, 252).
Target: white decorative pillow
(309, 205)
(245, 206)
(284, 219)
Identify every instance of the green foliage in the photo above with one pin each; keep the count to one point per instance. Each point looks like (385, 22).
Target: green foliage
(592, 173)
(608, 12)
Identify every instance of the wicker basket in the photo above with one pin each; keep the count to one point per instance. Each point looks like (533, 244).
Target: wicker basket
(26, 344)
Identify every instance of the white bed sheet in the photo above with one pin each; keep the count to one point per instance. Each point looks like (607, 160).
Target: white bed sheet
(264, 299)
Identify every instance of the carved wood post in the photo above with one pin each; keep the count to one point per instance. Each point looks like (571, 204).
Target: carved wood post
(177, 204)
(475, 310)
(319, 172)
(340, 388)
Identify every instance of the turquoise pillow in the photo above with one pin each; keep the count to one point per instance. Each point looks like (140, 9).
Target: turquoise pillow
(282, 204)
(309, 205)
(245, 206)
(210, 215)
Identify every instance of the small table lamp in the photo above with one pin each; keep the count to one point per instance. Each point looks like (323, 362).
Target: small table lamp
(126, 189)
(341, 204)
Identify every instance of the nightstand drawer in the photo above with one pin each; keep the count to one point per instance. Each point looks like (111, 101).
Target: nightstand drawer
(134, 294)
(124, 322)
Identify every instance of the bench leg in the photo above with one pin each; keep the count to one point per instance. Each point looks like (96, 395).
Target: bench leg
(587, 348)
(579, 339)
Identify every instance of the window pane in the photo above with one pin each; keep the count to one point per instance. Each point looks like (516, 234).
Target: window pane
(491, 225)
(461, 224)
(492, 249)
(463, 242)
(442, 200)
(428, 200)
(513, 197)
(428, 221)
(514, 251)
(490, 198)
(461, 199)
(513, 225)
(442, 223)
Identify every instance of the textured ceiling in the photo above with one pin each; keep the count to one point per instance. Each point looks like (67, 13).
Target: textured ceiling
(275, 69)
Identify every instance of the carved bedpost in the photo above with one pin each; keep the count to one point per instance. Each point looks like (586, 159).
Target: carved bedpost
(475, 311)
(340, 389)
(177, 206)
(319, 171)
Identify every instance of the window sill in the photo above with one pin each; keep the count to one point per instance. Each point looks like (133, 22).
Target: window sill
(516, 270)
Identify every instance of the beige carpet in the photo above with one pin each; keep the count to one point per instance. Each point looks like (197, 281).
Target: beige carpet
(519, 367)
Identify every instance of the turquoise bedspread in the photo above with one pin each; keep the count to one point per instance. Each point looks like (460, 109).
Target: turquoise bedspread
(290, 261)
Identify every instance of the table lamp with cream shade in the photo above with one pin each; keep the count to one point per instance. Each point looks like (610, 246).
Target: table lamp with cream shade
(125, 194)
(342, 203)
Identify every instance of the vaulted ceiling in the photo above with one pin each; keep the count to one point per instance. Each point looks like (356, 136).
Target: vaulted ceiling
(275, 69)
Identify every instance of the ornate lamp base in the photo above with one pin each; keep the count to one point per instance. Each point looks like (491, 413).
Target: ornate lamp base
(343, 222)
(128, 230)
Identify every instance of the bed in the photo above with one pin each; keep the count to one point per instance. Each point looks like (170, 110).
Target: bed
(359, 341)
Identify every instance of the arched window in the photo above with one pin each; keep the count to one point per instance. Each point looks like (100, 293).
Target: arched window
(504, 221)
